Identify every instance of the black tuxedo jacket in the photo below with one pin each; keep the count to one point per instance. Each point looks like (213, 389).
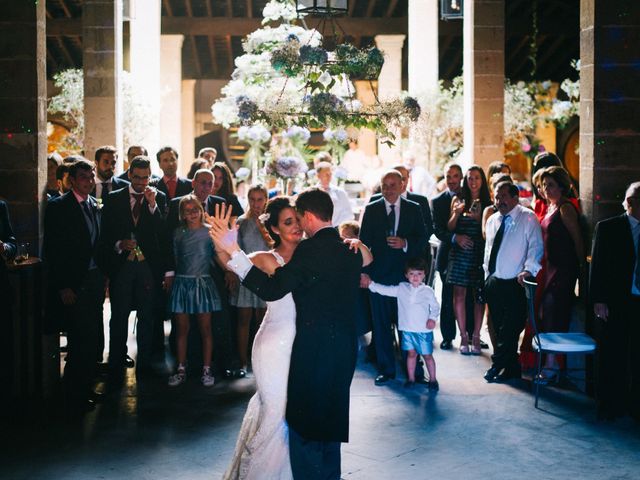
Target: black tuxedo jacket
(183, 187)
(323, 275)
(7, 237)
(150, 233)
(441, 212)
(116, 184)
(613, 260)
(424, 208)
(173, 216)
(388, 263)
(67, 245)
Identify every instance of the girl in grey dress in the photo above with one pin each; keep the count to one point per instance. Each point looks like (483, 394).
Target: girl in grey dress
(252, 237)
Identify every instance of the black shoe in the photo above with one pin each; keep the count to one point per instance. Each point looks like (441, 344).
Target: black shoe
(240, 373)
(509, 374)
(491, 374)
(483, 345)
(382, 379)
(97, 397)
(434, 386)
(102, 369)
(446, 345)
(408, 384)
(128, 362)
(422, 381)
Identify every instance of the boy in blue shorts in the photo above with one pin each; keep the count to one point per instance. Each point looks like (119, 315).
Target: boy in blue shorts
(417, 311)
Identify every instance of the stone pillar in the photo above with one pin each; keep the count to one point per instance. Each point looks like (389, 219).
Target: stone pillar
(188, 154)
(171, 88)
(423, 45)
(483, 70)
(609, 105)
(145, 50)
(102, 65)
(390, 85)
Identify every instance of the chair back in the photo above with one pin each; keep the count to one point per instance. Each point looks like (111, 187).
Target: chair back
(530, 287)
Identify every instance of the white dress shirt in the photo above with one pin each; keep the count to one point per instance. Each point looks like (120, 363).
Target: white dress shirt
(341, 205)
(99, 185)
(396, 207)
(635, 233)
(416, 305)
(521, 248)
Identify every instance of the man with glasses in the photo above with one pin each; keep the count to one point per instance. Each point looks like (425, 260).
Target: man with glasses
(136, 250)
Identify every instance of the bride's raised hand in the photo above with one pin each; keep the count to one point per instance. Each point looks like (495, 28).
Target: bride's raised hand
(223, 233)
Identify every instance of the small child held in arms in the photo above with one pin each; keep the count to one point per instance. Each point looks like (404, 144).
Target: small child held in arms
(417, 312)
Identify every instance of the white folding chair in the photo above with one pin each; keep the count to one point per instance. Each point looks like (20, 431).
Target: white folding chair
(553, 342)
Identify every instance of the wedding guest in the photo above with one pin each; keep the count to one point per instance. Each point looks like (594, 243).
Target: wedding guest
(54, 160)
(62, 177)
(563, 257)
(106, 158)
(192, 289)
(341, 206)
(498, 167)
(417, 313)
(136, 251)
(223, 187)
(8, 249)
(252, 237)
(197, 164)
(541, 161)
(209, 154)
(420, 180)
(393, 228)
(615, 293)
(512, 253)
(465, 257)
(132, 152)
(171, 184)
(71, 235)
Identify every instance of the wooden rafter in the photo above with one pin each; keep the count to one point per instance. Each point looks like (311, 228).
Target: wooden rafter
(196, 58)
(352, 7)
(250, 8)
(189, 7)
(167, 7)
(65, 9)
(229, 9)
(524, 59)
(391, 8)
(370, 7)
(207, 4)
(52, 61)
(229, 52)
(65, 51)
(550, 51)
(213, 55)
(514, 53)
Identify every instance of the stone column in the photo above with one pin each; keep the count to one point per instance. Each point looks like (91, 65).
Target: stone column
(390, 85)
(483, 67)
(102, 65)
(145, 50)
(171, 88)
(423, 45)
(188, 154)
(609, 104)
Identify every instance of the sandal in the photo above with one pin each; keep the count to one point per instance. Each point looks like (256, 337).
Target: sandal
(476, 349)
(464, 344)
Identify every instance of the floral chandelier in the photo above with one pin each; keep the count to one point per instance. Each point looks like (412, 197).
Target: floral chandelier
(286, 77)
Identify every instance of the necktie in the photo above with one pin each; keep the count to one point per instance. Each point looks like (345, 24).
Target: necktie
(137, 206)
(637, 269)
(104, 192)
(493, 258)
(391, 220)
(91, 221)
(171, 188)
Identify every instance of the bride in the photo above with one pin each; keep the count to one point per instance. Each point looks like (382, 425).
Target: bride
(262, 448)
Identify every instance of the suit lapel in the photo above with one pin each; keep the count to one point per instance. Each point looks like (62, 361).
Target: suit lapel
(75, 207)
(403, 220)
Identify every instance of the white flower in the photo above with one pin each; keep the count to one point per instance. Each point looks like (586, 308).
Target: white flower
(242, 173)
(276, 10)
(297, 133)
(340, 173)
(325, 78)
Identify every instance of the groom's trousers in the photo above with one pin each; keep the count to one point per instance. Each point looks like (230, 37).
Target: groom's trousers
(312, 460)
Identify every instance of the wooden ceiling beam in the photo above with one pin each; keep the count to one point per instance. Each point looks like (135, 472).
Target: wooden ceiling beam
(207, 5)
(250, 8)
(167, 7)
(213, 55)
(189, 7)
(65, 52)
(352, 7)
(229, 52)
(514, 53)
(196, 58)
(370, 7)
(229, 10)
(65, 9)
(391, 8)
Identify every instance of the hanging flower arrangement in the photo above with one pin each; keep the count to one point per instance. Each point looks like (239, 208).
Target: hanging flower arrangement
(287, 78)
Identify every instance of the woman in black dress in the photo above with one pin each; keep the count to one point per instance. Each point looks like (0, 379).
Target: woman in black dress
(223, 187)
(467, 252)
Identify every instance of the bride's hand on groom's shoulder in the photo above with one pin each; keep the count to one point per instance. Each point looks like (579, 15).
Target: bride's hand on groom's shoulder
(353, 243)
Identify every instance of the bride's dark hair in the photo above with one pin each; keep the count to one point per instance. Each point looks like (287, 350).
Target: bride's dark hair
(272, 216)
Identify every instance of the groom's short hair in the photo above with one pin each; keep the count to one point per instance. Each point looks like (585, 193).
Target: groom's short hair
(317, 202)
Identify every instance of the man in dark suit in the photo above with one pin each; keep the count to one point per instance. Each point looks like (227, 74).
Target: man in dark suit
(393, 228)
(171, 184)
(441, 212)
(106, 159)
(71, 235)
(323, 276)
(615, 293)
(135, 250)
(8, 249)
(132, 152)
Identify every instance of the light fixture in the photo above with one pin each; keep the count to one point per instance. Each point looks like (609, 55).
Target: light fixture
(451, 9)
(323, 8)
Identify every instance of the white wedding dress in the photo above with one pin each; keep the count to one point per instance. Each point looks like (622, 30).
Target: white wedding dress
(262, 449)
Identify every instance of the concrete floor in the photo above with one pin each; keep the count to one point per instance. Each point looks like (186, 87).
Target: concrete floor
(470, 429)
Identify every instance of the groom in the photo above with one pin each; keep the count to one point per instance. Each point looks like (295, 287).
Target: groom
(323, 276)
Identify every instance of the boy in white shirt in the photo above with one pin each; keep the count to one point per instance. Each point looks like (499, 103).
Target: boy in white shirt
(417, 311)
